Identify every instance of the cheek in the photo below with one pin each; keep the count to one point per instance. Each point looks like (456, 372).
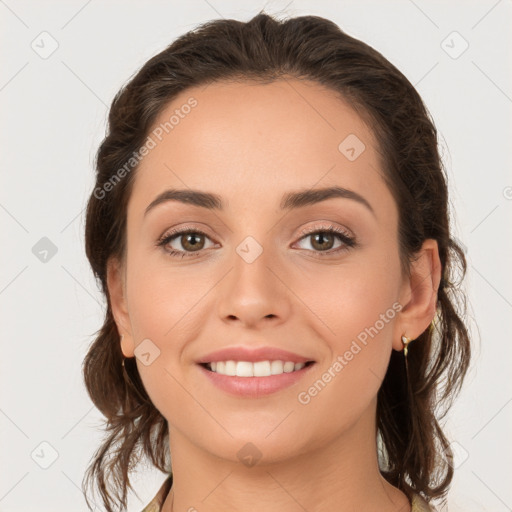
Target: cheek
(165, 307)
(355, 308)
(162, 296)
(349, 299)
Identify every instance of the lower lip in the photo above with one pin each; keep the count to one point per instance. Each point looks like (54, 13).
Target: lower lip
(255, 387)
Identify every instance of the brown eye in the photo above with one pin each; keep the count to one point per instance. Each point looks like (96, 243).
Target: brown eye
(183, 243)
(191, 241)
(323, 241)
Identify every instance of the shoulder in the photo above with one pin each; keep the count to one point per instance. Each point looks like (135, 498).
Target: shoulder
(418, 504)
(155, 505)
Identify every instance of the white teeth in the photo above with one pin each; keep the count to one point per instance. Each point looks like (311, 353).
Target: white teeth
(276, 367)
(289, 367)
(230, 368)
(261, 369)
(257, 369)
(244, 369)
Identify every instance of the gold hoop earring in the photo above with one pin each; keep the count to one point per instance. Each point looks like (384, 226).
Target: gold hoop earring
(405, 342)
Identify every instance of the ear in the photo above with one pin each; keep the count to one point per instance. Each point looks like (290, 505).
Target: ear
(418, 294)
(116, 285)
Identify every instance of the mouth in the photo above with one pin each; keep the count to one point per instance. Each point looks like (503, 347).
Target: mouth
(266, 368)
(254, 379)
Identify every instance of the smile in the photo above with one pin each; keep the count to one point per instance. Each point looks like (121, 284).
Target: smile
(254, 369)
(254, 379)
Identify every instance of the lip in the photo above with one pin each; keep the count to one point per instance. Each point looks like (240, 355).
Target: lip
(253, 355)
(254, 387)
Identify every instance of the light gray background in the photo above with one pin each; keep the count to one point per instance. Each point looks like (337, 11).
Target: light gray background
(54, 111)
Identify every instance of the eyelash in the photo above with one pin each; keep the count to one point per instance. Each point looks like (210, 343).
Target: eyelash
(348, 241)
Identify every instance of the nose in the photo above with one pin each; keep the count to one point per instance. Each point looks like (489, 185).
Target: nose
(254, 293)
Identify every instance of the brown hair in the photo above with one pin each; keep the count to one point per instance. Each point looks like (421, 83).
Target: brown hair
(414, 453)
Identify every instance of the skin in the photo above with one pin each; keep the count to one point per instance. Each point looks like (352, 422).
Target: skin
(251, 144)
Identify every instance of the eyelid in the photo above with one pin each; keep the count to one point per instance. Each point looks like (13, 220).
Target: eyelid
(327, 226)
(186, 227)
(180, 231)
(304, 232)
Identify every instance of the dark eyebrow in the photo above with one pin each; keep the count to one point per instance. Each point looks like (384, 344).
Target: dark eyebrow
(193, 197)
(290, 200)
(306, 197)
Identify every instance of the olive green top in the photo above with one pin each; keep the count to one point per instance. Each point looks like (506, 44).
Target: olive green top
(155, 505)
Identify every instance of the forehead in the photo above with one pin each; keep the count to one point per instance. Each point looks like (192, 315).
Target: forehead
(250, 142)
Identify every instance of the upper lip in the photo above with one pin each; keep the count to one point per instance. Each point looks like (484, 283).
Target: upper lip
(242, 353)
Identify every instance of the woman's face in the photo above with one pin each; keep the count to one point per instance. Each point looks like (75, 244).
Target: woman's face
(252, 276)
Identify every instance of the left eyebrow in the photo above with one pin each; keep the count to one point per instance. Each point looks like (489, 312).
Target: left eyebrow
(193, 197)
(290, 200)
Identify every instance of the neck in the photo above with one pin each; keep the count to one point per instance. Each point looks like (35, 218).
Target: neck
(340, 476)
